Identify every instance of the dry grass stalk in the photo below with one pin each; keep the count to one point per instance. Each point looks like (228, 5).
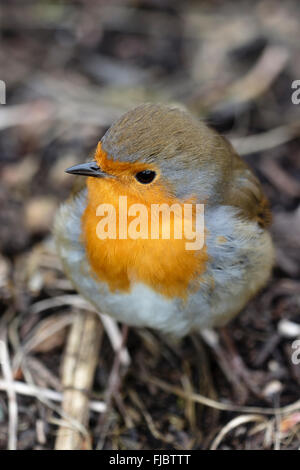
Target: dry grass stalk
(11, 395)
(22, 388)
(197, 398)
(234, 423)
(78, 370)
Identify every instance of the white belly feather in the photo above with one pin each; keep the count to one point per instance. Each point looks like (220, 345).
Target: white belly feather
(238, 267)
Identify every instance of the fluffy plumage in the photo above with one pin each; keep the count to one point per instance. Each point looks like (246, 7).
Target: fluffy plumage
(156, 283)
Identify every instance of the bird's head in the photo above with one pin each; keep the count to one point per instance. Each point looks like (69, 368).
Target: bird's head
(156, 152)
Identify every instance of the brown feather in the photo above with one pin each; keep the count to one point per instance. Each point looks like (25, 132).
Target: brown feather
(245, 192)
(183, 148)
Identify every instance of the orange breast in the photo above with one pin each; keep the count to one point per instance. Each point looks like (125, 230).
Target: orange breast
(165, 265)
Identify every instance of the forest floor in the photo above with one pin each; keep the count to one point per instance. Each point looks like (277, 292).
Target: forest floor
(68, 76)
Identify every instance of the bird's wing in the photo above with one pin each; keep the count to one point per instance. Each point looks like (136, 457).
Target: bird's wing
(246, 193)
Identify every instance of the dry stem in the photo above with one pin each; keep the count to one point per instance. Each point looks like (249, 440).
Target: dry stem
(78, 370)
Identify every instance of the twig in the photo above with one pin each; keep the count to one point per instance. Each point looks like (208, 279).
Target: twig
(196, 397)
(211, 338)
(77, 377)
(266, 140)
(270, 64)
(35, 340)
(11, 394)
(149, 420)
(282, 180)
(23, 388)
(59, 301)
(77, 301)
(113, 387)
(234, 423)
(116, 339)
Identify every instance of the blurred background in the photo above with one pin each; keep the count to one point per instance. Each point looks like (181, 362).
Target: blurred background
(70, 69)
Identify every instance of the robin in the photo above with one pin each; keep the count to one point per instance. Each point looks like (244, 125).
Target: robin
(161, 156)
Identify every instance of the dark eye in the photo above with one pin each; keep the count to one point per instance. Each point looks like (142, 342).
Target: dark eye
(146, 176)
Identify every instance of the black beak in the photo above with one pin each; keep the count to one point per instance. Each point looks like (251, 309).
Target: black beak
(86, 169)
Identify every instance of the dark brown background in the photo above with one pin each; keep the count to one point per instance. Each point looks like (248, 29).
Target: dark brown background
(71, 68)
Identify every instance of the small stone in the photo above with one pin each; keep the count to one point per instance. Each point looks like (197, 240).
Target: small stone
(272, 388)
(273, 366)
(288, 329)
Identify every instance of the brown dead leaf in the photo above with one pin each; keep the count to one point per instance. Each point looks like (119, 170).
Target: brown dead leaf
(289, 422)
